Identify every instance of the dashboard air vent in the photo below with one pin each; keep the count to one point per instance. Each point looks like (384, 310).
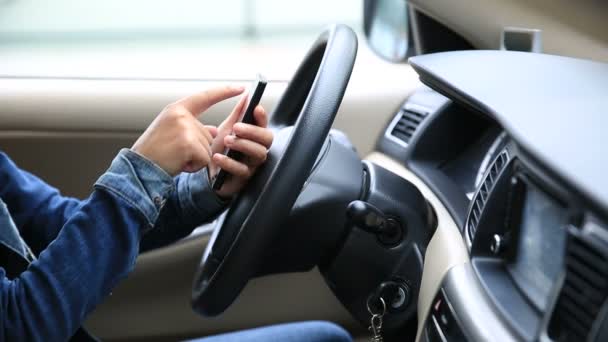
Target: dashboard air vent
(583, 292)
(479, 201)
(405, 123)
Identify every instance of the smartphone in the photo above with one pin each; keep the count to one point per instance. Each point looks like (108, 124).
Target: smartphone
(254, 95)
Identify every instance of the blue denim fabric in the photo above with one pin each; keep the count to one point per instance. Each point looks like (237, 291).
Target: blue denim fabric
(139, 182)
(314, 331)
(193, 204)
(84, 248)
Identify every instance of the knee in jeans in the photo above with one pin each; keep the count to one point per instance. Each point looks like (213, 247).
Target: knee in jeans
(329, 332)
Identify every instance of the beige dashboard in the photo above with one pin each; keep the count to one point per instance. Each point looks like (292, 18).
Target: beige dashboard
(446, 249)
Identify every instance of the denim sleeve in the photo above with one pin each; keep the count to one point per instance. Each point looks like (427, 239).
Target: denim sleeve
(140, 182)
(38, 210)
(194, 203)
(95, 249)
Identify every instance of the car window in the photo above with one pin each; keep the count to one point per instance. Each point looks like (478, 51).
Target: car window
(146, 38)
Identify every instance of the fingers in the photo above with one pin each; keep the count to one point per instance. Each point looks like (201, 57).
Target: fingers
(212, 130)
(260, 135)
(255, 152)
(236, 112)
(232, 166)
(261, 119)
(204, 131)
(198, 103)
(201, 147)
(200, 156)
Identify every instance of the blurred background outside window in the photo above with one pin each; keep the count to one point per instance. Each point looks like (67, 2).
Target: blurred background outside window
(164, 39)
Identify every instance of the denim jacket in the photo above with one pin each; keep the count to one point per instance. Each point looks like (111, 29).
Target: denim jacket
(60, 257)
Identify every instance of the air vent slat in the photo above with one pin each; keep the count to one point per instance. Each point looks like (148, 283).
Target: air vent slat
(489, 181)
(579, 283)
(576, 329)
(483, 194)
(582, 316)
(406, 124)
(476, 215)
(404, 129)
(593, 279)
(600, 253)
(473, 223)
(484, 191)
(584, 290)
(413, 115)
(479, 201)
(401, 136)
(477, 207)
(589, 255)
(491, 177)
(576, 296)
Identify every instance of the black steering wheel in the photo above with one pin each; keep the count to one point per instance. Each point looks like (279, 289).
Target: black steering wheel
(301, 122)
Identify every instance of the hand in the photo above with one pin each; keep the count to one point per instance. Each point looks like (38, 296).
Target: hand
(176, 140)
(253, 141)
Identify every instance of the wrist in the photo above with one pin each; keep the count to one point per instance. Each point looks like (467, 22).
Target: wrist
(197, 199)
(142, 156)
(171, 171)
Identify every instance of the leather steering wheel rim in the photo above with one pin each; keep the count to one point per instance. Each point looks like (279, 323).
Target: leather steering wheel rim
(303, 117)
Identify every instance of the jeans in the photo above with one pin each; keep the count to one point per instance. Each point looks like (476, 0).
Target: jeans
(313, 331)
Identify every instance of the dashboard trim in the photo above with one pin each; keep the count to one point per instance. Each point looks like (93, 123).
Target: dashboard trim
(541, 120)
(504, 153)
(478, 316)
(446, 248)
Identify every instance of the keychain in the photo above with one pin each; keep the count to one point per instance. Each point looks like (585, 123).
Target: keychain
(376, 322)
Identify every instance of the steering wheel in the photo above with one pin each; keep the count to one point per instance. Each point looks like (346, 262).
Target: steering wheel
(301, 122)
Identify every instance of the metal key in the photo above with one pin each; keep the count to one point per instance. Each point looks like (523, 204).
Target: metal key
(375, 326)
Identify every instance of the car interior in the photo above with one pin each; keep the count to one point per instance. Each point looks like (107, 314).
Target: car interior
(440, 164)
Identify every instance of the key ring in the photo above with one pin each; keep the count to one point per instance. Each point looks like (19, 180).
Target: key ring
(369, 308)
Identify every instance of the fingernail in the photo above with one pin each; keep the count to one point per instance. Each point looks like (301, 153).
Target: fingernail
(230, 139)
(238, 88)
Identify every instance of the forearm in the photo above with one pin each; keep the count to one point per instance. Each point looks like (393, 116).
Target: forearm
(50, 300)
(39, 210)
(94, 250)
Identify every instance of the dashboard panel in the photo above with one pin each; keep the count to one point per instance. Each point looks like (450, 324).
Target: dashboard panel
(517, 232)
(536, 237)
(447, 148)
(539, 222)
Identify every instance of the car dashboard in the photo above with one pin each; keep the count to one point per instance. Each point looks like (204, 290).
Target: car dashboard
(512, 149)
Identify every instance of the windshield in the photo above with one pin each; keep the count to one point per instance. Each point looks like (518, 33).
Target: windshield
(155, 38)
